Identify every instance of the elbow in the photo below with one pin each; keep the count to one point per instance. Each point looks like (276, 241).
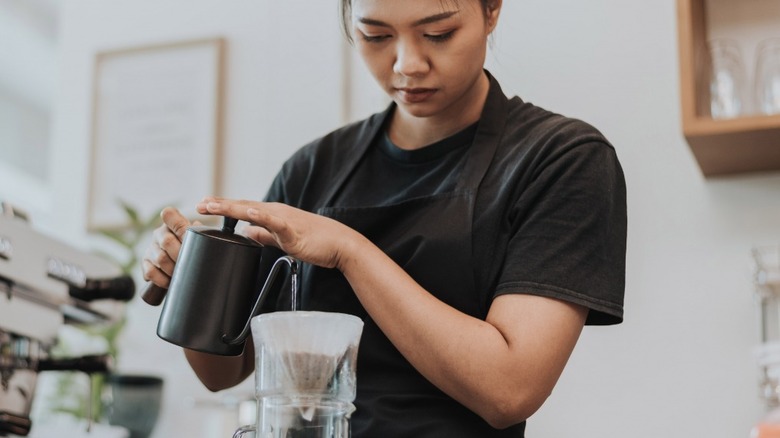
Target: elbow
(511, 409)
(213, 386)
(218, 373)
(216, 382)
(502, 418)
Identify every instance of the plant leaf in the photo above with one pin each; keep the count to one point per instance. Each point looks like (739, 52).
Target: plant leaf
(154, 220)
(132, 213)
(118, 236)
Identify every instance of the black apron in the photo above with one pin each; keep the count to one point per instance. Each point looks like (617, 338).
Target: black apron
(430, 238)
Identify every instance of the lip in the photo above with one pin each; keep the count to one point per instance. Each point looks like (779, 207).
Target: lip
(415, 95)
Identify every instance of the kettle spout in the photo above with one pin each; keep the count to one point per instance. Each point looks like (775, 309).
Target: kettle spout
(293, 264)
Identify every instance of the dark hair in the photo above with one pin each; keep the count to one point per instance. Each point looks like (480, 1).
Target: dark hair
(345, 7)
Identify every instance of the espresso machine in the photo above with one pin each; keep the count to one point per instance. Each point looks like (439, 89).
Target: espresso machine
(45, 284)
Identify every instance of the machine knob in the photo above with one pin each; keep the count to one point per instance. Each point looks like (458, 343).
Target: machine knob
(120, 289)
(85, 364)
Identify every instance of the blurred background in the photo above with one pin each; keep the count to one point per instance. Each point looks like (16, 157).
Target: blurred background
(682, 364)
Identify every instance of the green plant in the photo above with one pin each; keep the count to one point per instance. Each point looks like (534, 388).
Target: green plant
(131, 236)
(66, 397)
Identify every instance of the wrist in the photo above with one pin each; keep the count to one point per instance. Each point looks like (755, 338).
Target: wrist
(350, 251)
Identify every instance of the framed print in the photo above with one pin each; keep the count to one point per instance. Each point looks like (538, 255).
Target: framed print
(156, 129)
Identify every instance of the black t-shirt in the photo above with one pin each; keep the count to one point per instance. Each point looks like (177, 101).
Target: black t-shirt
(549, 217)
(388, 174)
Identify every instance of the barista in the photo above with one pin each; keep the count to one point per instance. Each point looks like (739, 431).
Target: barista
(474, 234)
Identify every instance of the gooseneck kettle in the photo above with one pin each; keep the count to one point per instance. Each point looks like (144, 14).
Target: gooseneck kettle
(213, 291)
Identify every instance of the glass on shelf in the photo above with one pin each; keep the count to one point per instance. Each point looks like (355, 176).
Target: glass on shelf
(767, 78)
(727, 79)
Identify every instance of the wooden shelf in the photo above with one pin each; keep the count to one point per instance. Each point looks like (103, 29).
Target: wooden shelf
(723, 146)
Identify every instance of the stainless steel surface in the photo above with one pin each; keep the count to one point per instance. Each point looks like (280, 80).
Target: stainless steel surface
(45, 284)
(43, 265)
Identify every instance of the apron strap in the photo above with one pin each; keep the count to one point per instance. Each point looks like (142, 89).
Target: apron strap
(365, 137)
(490, 130)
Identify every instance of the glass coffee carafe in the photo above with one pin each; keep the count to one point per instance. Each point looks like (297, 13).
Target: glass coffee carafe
(304, 374)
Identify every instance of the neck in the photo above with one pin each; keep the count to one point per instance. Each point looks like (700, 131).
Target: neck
(409, 132)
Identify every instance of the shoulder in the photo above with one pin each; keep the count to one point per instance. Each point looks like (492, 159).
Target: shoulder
(542, 127)
(307, 174)
(538, 139)
(528, 128)
(543, 155)
(333, 146)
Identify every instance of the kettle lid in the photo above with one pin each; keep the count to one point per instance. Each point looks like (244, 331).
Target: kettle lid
(227, 233)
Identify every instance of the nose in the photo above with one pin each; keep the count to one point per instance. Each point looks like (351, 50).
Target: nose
(410, 60)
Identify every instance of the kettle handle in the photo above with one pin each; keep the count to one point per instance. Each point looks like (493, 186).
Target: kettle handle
(267, 285)
(153, 294)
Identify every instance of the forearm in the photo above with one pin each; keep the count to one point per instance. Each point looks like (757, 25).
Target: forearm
(492, 372)
(221, 372)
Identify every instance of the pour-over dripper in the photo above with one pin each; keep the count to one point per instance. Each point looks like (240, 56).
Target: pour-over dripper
(306, 353)
(304, 373)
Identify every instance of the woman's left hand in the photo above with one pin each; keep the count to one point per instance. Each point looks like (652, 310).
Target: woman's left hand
(308, 237)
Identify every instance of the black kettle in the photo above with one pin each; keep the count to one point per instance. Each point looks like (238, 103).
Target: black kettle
(209, 303)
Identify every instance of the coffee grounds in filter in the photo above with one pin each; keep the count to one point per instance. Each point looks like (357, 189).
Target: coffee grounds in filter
(308, 373)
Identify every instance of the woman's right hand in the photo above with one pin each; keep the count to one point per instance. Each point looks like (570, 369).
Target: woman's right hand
(160, 257)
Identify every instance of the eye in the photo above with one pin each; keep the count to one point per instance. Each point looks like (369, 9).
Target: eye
(374, 38)
(440, 38)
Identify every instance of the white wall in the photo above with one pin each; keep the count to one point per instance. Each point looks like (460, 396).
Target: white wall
(28, 63)
(680, 366)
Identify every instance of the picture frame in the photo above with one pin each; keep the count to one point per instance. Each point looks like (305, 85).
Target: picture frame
(156, 131)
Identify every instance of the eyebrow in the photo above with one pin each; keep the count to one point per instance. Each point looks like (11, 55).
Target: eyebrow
(420, 22)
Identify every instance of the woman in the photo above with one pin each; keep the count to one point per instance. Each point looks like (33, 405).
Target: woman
(475, 235)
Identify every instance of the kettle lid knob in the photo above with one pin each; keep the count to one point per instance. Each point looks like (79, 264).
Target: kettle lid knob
(229, 225)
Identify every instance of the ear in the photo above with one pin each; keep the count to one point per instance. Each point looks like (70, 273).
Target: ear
(493, 11)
